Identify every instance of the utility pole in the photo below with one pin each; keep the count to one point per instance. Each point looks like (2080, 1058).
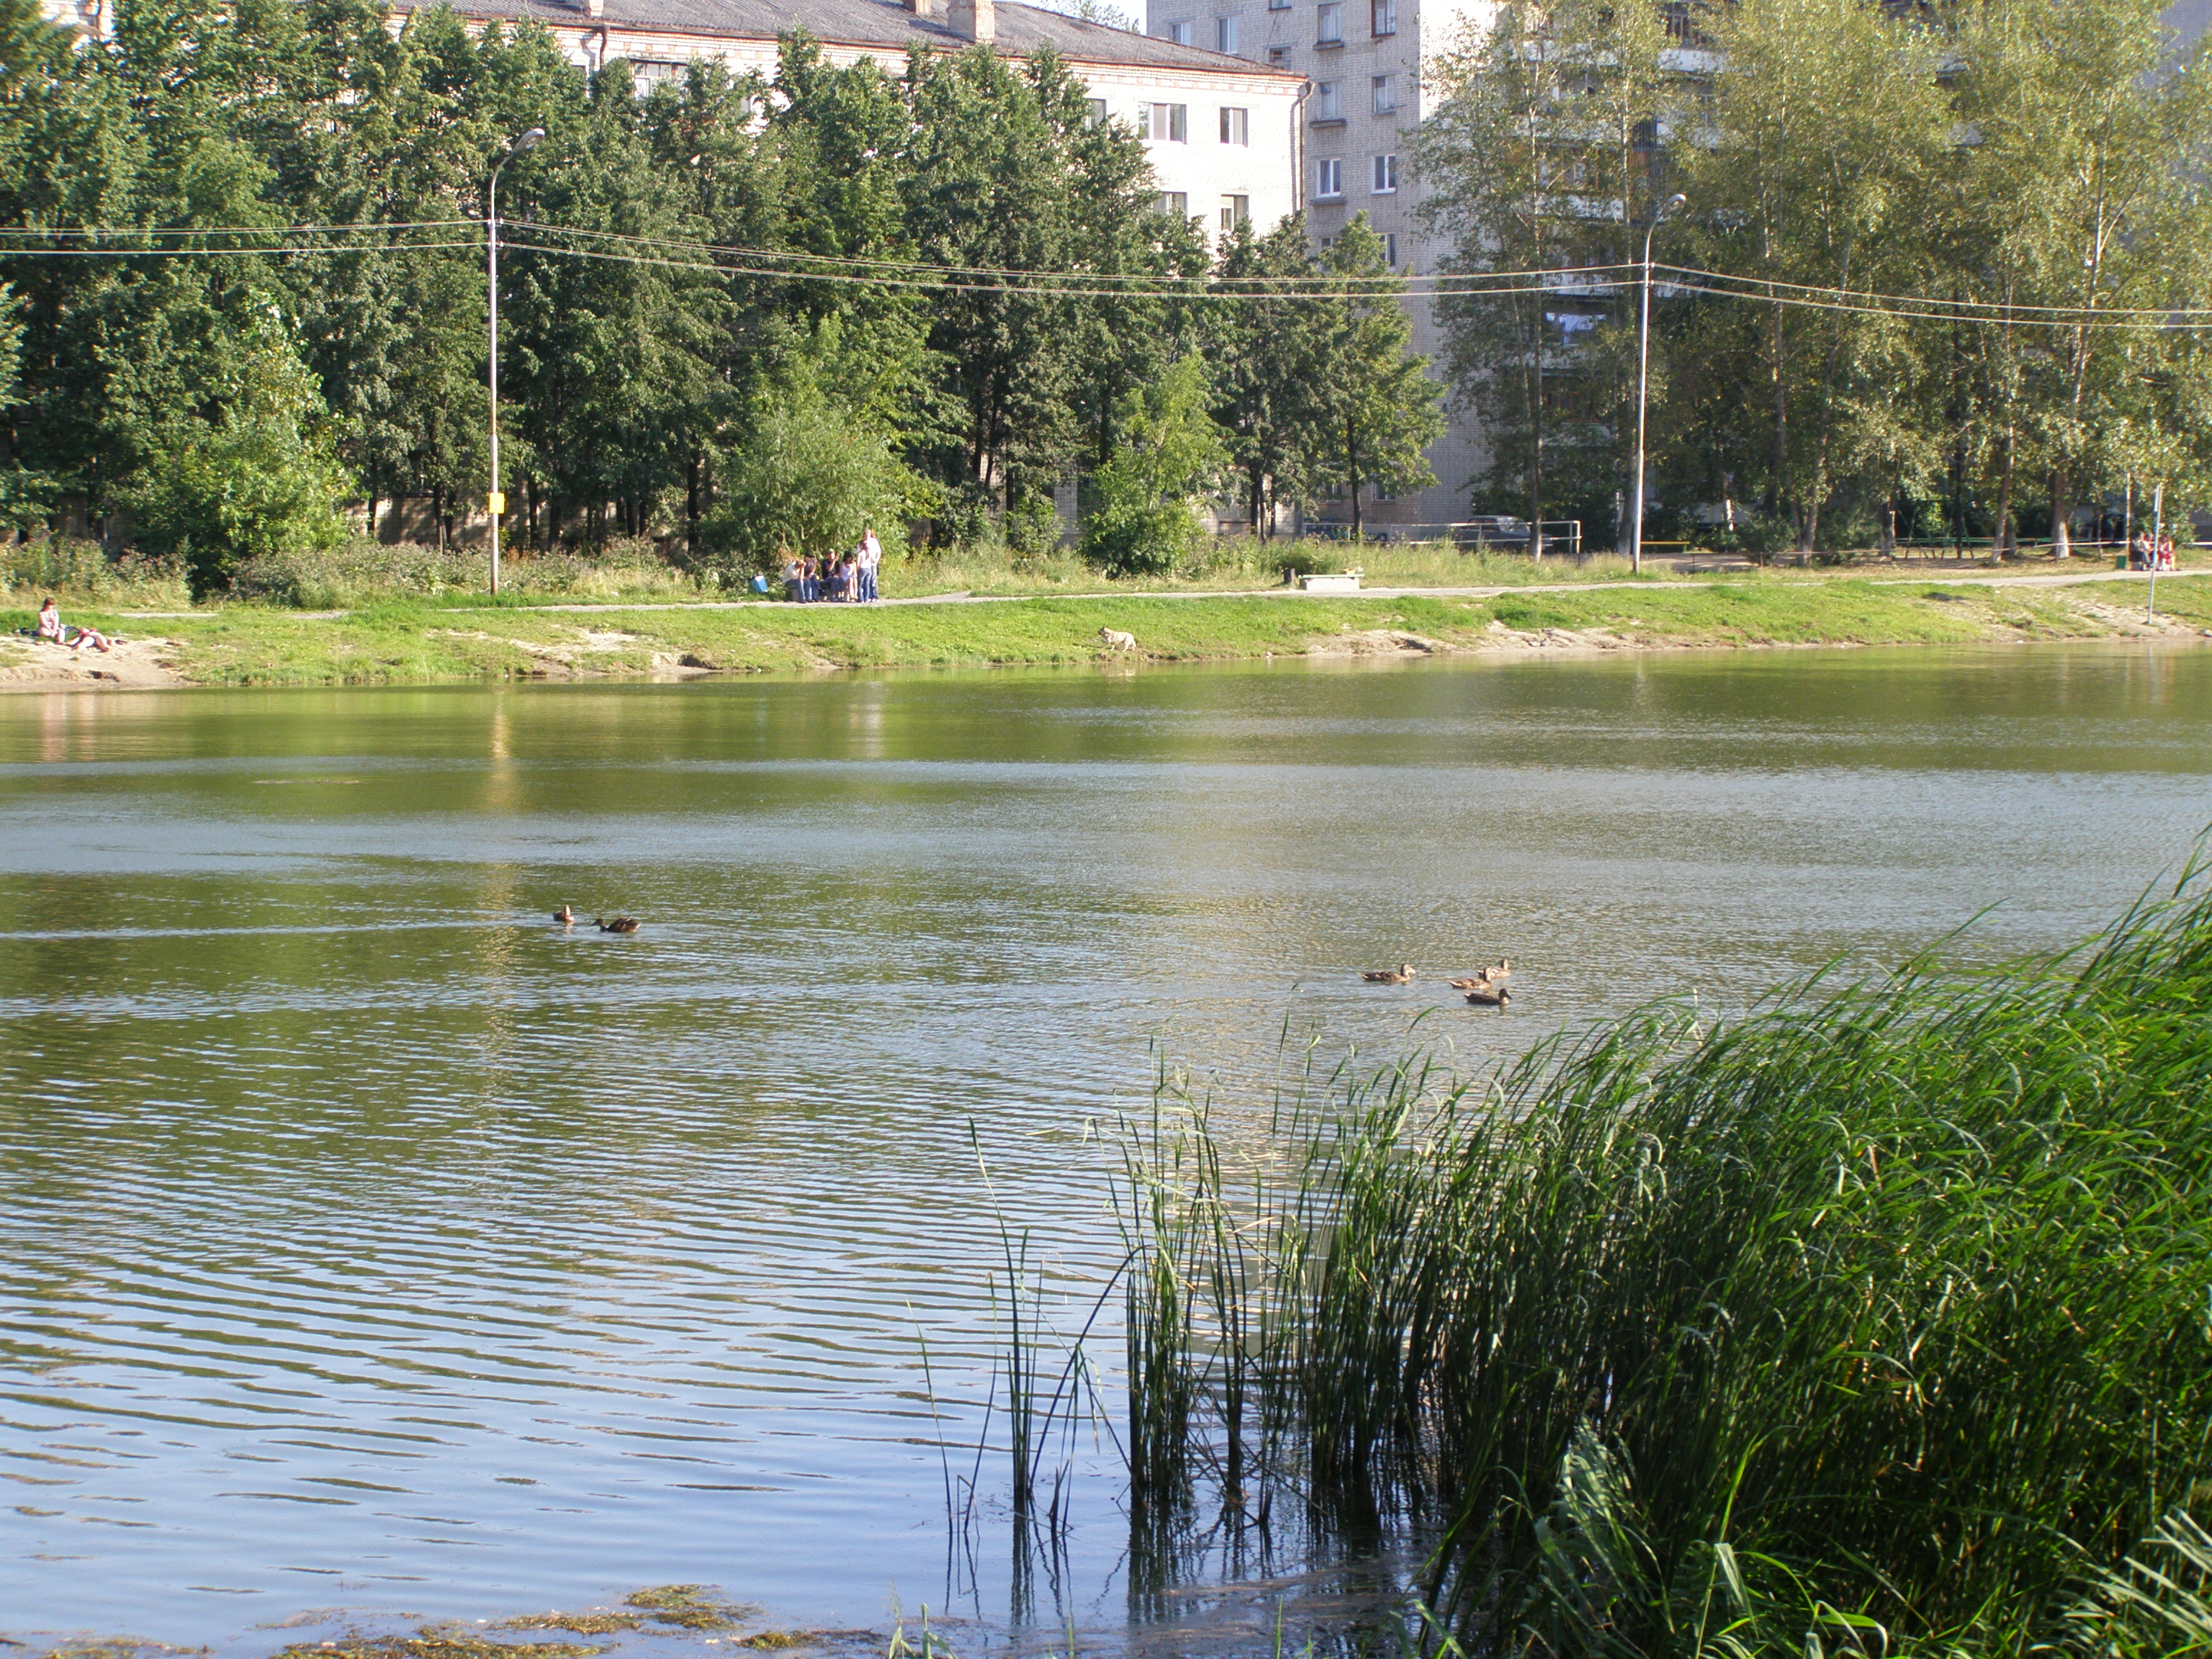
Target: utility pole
(1643, 382)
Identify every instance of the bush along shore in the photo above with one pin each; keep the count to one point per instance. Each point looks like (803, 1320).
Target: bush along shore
(1875, 1322)
(603, 621)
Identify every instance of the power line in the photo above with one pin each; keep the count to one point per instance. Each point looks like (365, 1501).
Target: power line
(232, 230)
(769, 263)
(846, 262)
(2007, 310)
(1203, 294)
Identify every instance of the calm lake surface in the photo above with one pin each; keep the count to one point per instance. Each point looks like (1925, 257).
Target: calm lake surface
(367, 1243)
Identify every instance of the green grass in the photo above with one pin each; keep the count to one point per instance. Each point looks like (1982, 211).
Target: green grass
(431, 640)
(1877, 1320)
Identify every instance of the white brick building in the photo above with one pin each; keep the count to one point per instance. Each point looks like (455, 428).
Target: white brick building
(1363, 62)
(1220, 130)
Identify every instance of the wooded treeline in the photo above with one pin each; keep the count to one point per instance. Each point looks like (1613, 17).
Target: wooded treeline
(228, 403)
(1995, 157)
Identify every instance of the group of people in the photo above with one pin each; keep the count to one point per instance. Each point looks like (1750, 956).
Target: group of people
(849, 578)
(77, 639)
(2148, 552)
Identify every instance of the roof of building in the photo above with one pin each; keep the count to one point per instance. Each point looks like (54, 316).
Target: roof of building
(1021, 29)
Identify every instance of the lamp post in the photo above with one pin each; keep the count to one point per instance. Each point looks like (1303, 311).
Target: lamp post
(496, 502)
(1643, 382)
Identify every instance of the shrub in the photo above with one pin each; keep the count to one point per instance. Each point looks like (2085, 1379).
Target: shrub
(1033, 525)
(81, 571)
(263, 476)
(1171, 457)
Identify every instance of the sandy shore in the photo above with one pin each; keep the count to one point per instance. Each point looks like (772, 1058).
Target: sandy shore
(135, 665)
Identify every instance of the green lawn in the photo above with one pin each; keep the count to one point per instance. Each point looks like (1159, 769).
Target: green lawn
(426, 640)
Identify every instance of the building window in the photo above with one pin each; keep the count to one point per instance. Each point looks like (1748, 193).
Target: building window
(1224, 36)
(646, 73)
(1329, 179)
(1328, 100)
(1237, 126)
(1097, 115)
(1169, 123)
(1175, 204)
(1386, 95)
(1329, 31)
(1279, 55)
(1390, 248)
(1178, 33)
(1234, 211)
(1279, 5)
(1386, 176)
(1383, 15)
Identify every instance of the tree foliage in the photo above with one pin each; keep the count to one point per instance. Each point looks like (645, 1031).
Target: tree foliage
(2037, 168)
(1170, 460)
(646, 388)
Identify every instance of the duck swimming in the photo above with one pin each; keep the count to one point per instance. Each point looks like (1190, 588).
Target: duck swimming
(1487, 998)
(565, 916)
(619, 925)
(1403, 975)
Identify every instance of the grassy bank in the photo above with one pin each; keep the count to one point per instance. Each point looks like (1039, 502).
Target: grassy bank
(1875, 1321)
(418, 640)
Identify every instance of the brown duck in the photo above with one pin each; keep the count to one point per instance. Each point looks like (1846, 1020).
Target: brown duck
(1402, 975)
(565, 916)
(619, 925)
(1489, 998)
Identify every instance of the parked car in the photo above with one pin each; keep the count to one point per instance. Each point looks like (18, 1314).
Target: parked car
(1491, 530)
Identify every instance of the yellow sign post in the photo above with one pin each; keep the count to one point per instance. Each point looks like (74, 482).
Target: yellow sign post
(496, 502)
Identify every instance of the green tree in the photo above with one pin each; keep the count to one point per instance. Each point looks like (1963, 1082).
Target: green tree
(816, 467)
(262, 475)
(2082, 185)
(1264, 348)
(1170, 459)
(1540, 157)
(1375, 408)
(1823, 141)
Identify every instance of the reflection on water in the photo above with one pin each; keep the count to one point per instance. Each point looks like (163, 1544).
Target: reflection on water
(367, 1240)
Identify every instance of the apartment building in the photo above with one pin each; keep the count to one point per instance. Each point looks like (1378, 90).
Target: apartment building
(1362, 62)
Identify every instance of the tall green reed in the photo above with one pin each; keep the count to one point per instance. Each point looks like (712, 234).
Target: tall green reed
(1880, 1319)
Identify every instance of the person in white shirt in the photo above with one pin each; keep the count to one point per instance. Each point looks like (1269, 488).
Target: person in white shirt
(871, 556)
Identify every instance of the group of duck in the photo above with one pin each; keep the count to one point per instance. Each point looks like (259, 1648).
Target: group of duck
(567, 918)
(1486, 990)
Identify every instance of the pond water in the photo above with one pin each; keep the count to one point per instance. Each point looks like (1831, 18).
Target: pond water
(368, 1243)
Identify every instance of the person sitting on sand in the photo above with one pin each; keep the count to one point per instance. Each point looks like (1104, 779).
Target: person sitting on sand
(50, 628)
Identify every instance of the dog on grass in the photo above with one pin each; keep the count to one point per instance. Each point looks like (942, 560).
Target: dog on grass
(1117, 639)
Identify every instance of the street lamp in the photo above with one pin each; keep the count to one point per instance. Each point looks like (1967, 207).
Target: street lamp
(496, 502)
(1643, 381)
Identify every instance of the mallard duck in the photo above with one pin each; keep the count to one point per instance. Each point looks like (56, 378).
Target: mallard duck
(1487, 998)
(1503, 971)
(565, 916)
(1402, 975)
(1480, 982)
(619, 925)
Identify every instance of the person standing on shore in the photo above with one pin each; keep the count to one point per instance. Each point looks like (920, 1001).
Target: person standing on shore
(872, 557)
